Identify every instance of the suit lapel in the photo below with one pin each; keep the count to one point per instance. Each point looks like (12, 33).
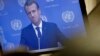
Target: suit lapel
(44, 28)
(33, 34)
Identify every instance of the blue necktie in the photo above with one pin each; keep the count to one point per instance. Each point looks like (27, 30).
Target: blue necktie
(38, 30)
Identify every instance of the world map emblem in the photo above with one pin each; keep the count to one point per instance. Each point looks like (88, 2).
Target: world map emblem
(68, 16)
(21, 2)
(16, 24)
(44, 18)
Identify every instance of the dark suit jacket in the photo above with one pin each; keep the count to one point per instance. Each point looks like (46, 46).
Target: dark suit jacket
(51, 35)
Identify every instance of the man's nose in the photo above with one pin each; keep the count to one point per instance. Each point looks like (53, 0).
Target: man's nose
(32, 14)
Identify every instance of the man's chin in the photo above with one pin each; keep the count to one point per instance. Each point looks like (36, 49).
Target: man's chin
(35, 23)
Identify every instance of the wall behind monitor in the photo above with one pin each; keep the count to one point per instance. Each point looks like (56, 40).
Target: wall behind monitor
(91, 4)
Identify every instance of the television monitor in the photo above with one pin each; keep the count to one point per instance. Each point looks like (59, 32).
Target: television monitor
(69, 15)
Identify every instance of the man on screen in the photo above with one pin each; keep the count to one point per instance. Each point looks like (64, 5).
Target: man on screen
(39, 34)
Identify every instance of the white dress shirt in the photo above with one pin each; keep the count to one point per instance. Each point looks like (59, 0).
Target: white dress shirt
(40, 26)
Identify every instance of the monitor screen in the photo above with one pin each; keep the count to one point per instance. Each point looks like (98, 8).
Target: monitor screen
(56, 18)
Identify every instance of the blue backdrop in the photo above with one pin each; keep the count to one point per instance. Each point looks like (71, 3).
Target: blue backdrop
(65, 13)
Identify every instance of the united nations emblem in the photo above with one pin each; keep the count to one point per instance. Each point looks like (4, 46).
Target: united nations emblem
(1, 4)
(21, 2)
(68, 16)
(44, 18)
(16, 24)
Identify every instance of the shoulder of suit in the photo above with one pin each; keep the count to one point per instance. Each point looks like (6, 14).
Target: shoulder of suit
(27, 27)
(50, 24)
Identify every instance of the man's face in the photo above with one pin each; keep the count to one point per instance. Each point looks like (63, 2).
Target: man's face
(33, 13)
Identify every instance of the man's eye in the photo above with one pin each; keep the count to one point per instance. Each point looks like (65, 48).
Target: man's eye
(33, 10)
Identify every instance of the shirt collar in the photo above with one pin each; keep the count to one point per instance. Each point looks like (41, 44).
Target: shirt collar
(40, 25)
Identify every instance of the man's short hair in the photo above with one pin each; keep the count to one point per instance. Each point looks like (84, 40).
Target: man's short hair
(30, 2)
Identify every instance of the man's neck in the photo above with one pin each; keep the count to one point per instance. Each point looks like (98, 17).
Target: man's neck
(37, 24)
